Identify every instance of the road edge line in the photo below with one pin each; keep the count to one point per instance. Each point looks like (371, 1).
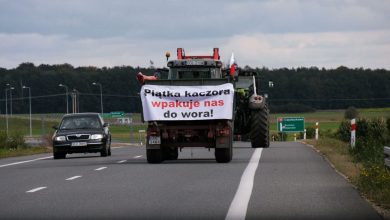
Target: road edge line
(25, 161)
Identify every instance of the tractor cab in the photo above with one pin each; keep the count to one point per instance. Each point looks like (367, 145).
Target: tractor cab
(195, 67)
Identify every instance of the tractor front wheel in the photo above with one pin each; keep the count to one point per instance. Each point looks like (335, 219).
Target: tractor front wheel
(259, 132)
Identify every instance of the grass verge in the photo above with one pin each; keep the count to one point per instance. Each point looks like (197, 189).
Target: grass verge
(4, 153)
(337, 153)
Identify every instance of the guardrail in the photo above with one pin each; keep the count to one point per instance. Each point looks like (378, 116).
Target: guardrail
(386, 150)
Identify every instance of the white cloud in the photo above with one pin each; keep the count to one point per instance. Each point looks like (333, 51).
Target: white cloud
(369, 49)
(273, 33)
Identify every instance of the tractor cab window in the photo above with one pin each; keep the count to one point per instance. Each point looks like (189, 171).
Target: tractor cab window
(204, 73)
(215, 73)
(193, 74)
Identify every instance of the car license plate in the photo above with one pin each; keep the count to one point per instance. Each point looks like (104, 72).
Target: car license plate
(78, 144)
(154, 140)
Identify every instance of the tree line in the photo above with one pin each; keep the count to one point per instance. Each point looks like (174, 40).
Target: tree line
(297, 89)
(301, 89)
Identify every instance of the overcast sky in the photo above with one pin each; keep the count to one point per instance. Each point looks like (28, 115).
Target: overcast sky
(270, 33)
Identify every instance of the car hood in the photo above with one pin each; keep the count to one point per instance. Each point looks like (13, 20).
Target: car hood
(79, 131)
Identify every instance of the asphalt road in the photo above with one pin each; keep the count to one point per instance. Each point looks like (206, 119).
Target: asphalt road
(290, 181)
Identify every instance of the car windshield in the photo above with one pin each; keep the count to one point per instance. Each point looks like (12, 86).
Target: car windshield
(85, 122)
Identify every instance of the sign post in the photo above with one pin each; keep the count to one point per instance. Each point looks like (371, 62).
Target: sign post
(139, 136)
(353, 133)
(317, 127)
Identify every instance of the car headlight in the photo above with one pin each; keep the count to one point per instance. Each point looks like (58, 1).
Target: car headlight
(60, 138)
(96, 136)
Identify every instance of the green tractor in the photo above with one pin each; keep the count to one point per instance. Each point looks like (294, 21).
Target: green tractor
(251, 117)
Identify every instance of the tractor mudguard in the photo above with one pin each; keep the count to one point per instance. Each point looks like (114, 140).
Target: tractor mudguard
(256, 102)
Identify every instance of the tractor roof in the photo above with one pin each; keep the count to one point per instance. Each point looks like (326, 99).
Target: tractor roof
(196, 61)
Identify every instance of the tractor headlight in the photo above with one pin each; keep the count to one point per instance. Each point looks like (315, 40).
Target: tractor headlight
(60, 138)
(96, 136)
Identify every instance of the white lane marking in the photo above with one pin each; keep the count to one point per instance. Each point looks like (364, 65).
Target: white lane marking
(26, 161)
(100, 168)
(121, 161)
(239, 205)
(36, 189)
(137, 156)
(117, 147)
(73, 177)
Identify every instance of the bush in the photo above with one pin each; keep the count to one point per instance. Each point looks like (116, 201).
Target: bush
(344, 131)
(351, 113)
(362, 128)
(377, 130)
(310, 132)
(15, 140)
(388, 130)
(370, 139)
(368, 151)
(365, 129)
(278, 136)
(374, 180)
(3, 139)
(326, 133)
(388, 125)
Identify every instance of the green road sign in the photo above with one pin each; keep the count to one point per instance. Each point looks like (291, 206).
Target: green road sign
(117, 114)
(106, 115)
(291, 124)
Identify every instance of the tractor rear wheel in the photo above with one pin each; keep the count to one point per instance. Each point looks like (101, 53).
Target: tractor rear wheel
(223, 155)
(154, 155)
(259, 132)
(171, 153)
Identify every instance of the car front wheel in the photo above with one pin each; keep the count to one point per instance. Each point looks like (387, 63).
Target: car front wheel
(104, 152)
(59, 155)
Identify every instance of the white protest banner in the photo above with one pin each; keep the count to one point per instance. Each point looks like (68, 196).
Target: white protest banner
(175, 103)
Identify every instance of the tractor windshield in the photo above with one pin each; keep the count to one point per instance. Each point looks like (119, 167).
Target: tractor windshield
(194, 73)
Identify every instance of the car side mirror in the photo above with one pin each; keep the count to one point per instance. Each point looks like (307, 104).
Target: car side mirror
(106, 125)
(55, 127)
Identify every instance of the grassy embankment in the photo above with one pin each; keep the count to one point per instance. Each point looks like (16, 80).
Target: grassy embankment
(4, 153)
